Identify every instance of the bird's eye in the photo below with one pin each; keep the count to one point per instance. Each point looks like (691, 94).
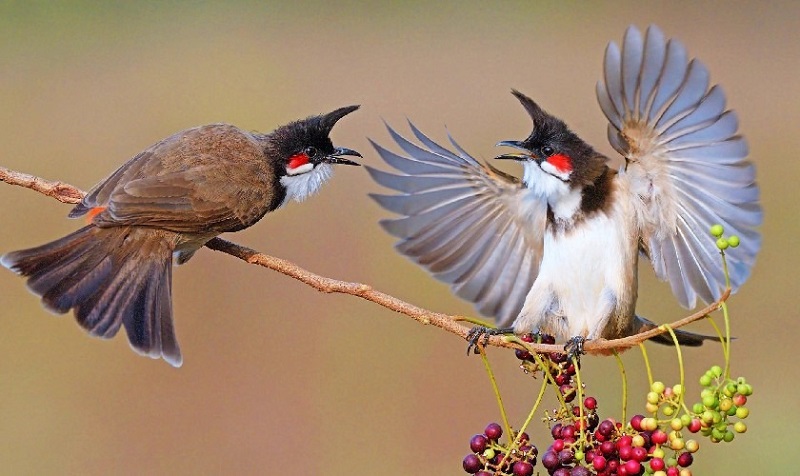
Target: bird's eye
(547, 151)
(310, 151)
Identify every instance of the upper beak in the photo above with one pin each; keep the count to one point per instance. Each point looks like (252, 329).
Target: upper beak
(339, 151)
(526, 155)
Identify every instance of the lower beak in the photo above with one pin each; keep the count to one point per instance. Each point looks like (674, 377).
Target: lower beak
(526, 155)
(336, 158)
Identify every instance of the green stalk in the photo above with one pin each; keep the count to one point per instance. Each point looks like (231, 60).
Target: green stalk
(625, 382)
(496, 390)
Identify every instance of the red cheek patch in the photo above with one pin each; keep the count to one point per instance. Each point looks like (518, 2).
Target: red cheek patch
(561, 162)
(297, 160)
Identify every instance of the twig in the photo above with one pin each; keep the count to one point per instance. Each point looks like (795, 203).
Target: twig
(69, 194)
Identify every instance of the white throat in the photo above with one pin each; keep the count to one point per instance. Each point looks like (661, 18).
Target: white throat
(542, 184)
(301, 186)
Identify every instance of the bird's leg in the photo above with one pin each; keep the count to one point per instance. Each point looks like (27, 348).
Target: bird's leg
(574, 347)
(474, 335)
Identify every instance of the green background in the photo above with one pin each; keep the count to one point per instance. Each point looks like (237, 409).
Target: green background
(280, 379)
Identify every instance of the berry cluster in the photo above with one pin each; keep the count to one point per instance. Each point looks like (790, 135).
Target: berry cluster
(490, 457)
(561, 369)
(722, 400)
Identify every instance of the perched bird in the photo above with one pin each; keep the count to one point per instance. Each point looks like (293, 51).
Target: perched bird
(557, 252)
(170, 200)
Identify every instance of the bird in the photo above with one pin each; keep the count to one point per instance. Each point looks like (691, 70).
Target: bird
(163, 205)
(556, 252)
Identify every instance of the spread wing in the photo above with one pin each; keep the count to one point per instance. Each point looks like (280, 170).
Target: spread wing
(462, 221)
(194, 181)
(686, 165)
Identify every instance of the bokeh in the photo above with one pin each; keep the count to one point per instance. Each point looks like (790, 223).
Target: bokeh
(280, 379)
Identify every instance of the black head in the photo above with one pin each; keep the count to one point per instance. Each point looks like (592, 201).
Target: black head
(302, 145)
(555, 148)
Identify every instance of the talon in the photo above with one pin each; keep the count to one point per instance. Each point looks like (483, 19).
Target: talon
(474, 335)
(574, 348)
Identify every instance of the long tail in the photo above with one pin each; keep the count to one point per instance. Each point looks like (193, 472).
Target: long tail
(110, 277)
(689, 339)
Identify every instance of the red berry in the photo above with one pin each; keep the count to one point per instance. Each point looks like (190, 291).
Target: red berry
(633, 467)
(636, 422)
(599, 463)
(555, 431)
(638, 453)
(685, 459)
(673, 471)
(568, 431)
(527, 338)
(606, 427)
(579, 471)
(625, 453)
(658, 437)
(478, 443)
(624, 440)
(550, 460)
(590, 403)
(739, 400)
(493, 431)
(472, 464)
(558, 445)
(657, 464)
(523, 468)
(695, 425)
(608, 448)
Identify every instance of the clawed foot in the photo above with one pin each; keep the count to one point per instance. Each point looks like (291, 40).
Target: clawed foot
(474, 335)
(574, 348)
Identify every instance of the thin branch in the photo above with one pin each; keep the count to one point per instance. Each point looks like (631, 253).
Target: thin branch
(69, 194)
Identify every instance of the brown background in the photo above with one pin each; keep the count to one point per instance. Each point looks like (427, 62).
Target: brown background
(279, 379)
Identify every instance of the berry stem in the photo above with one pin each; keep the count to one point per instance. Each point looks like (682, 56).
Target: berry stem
(680, 364)
(496, 390)
(625, 380)
(726, 345)
(646, 364)
(516, 443)
(579, 386)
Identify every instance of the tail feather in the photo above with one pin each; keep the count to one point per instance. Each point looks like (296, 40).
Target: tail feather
(685, 338)
(111, 277)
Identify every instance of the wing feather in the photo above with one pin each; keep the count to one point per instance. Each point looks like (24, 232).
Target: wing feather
(686, 164)
(462, 221)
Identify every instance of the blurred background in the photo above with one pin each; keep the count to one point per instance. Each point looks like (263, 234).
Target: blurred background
(280, 379)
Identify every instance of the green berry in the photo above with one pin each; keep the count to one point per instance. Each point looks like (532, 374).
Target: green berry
(677, 389)
(686, 420)
(705, 380)
(652, 397)
(722, 243)
(742, 412)
(697, 408)
(658, 387)
(717, 230)
(715, 370)
(733, 240)
(728, 437)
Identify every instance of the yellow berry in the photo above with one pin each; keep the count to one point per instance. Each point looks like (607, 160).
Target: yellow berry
(717, 230)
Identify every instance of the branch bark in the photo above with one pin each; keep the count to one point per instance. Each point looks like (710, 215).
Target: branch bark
(66, 193)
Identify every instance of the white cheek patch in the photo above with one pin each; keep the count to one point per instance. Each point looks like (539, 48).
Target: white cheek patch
(554, 171)
(307, 167)
(301, 186)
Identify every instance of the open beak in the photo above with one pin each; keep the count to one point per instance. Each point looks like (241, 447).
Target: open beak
(526, 155)
(336, 158)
